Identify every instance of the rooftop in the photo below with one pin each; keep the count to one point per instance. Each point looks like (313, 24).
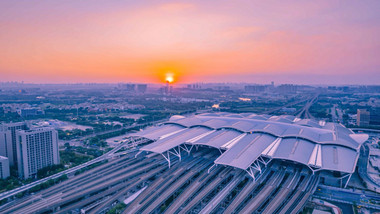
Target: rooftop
(245, 138)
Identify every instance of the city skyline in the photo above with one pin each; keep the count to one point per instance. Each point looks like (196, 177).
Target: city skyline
(326, 42)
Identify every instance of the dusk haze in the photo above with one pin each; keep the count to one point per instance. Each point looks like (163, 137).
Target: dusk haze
(319, 42)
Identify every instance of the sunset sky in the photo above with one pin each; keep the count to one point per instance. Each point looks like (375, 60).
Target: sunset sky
(312, 42)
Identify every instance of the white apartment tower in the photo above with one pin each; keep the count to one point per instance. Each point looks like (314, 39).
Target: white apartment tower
(4, 167)
(8, 146)
(36, 149)
(3, 143)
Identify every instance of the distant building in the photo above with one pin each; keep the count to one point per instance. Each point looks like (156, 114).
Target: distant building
(254, 88)
(193, 86)
(222, 88)
(8, 140)
(141, 88)
(363, 117)
(127, 87)
(29, 112)
(167, 89)
(374, 117)
(36, 149)
(333, 88)
(3, 143)
(4, 167)
(287, 88)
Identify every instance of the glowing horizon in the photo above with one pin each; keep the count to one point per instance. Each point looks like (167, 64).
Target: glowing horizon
(214, 41)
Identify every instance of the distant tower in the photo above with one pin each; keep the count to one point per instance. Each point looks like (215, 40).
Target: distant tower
(141, 88)
(167, 91)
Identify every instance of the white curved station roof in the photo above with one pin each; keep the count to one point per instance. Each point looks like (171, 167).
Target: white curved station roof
(246, 137)
(218, 138)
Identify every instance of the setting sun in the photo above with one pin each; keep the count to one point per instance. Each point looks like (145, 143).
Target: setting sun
(169, 79)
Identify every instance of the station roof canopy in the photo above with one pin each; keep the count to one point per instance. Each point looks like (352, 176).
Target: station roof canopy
(246, 137)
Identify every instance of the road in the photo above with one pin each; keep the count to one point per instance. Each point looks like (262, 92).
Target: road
(77, 141)
(334, 117)
(285, 106)
(347, 196)
(365, 130)
(336, 114)
(363, 167)
(304, 112)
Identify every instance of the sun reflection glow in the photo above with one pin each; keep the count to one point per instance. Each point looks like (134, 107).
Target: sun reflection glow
(169, 78)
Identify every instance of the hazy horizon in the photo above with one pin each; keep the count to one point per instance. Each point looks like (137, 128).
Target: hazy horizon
(296, 42)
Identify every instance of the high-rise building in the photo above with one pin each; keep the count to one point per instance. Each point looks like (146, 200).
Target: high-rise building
(26, 112)
(287, 88)
(362, 117)
(141, 88)
(36, 149)
(374, 118)
(4, 167)
(255, 88)
(3, 143)
(8, 140)
(127, 87)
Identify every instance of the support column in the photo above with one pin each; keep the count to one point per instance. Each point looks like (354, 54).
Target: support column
(138, 153)
(176, 153)
(250, 172)
(348, 180)
(209, 169)
(167, 158)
